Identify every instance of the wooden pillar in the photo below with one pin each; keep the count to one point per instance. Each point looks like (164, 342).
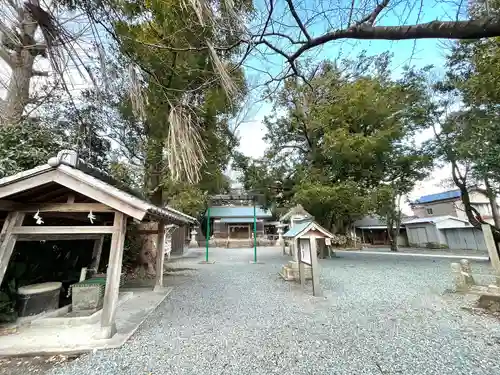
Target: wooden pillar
(160, 255)
(295, 249)
(314, 269)
(113, 273)
(96, 253)
(302, 270)
(8, 240)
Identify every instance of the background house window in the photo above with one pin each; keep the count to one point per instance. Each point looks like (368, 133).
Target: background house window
(429, 211)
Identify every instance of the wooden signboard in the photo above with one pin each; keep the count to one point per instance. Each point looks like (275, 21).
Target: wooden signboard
(305, 251)
(307, 256)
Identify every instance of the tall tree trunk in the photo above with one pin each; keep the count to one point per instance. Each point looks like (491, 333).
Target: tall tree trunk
(21, 61)
(18, 92)
(152, 180)
(394, 221)
(392, 234)
(472, 214)
(493, 202)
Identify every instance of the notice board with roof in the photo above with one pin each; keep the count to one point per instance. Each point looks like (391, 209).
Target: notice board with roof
(303, 236)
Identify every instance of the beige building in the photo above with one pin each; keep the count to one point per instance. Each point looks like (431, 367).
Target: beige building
(449, 203)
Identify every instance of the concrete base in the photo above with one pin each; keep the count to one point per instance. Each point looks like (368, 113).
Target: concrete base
(258, 262)
(490, 302)
(39, 317)
(290, 271)
(70, 320)
(479, 290)
(205, 262)
(53, 339)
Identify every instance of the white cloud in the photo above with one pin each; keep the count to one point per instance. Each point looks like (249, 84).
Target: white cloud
(251, 136)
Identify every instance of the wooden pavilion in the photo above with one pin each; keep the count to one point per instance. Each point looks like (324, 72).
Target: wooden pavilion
(67, 199)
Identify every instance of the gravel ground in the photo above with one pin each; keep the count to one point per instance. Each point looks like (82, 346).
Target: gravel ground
(380, 315)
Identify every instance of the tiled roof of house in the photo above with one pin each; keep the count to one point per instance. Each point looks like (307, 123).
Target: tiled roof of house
(451, 194)
(432, 219)
(238, 211)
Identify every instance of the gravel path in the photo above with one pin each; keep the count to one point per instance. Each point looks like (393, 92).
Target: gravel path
(380, 315)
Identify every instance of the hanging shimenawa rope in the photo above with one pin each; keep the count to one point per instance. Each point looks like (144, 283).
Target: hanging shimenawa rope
(185, 151)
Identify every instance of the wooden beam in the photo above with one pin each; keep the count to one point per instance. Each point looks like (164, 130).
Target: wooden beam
(67, 207)
(58, 237)
(8, 240)
(6, 205)
(27, 184)
(58, 192)
(90, 229)
(113, 273)
(99, 195)
(147, 231)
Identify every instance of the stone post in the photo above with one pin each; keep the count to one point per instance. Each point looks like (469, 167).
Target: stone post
(193, 242)
(280, 241)
(492, 249)
(458, 277)
(467, 272)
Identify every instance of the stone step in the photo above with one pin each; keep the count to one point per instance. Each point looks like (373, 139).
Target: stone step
(240, 244)
(290, 273)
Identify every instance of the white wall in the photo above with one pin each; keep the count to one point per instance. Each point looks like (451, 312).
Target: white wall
(477, 197)
(465, 238)
(479, 201)
(483, 208)
(438, 209)
(422, 234)
(451, 223)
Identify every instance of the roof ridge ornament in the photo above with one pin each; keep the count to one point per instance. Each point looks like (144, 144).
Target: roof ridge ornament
(67, 157)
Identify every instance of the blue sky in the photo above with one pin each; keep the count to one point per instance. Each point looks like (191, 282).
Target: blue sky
(417, 53)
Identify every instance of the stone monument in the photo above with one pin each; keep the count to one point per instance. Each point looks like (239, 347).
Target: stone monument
(280, 242)
(193, 242)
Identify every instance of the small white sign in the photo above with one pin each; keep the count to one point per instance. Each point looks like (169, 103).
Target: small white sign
(305, 251)
(328, 242)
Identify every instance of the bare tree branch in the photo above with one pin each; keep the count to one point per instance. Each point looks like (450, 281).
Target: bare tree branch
(297, 19)
(370, 18)
(39, 73)
(473, 29)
